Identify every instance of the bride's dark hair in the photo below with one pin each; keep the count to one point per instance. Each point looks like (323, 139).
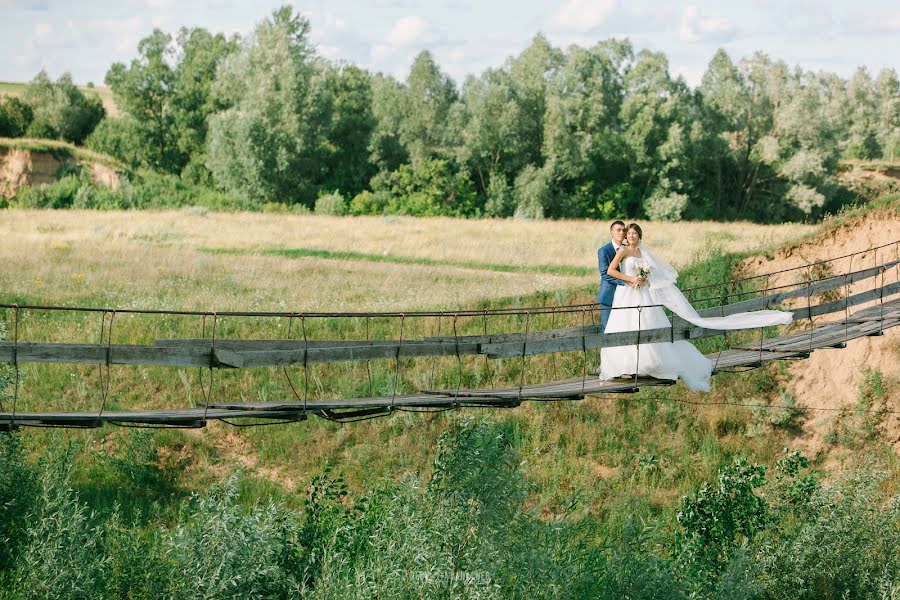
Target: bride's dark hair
(637, 228)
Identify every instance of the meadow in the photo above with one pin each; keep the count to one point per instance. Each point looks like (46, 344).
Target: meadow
(194, 259)
(590, 485)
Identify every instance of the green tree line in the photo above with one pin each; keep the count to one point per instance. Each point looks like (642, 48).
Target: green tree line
(560, 133)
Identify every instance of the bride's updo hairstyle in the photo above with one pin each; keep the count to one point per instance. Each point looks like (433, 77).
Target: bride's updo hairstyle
(637, 228)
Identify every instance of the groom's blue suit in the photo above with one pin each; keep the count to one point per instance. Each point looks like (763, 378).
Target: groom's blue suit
(608, 283)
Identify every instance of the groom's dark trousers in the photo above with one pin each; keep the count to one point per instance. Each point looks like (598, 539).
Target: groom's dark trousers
(607, 283)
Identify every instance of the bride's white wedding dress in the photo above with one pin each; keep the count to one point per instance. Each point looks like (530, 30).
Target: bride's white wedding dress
(633, 309)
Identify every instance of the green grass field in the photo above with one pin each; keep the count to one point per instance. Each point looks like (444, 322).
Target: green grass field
(284, 262)
(619, 462)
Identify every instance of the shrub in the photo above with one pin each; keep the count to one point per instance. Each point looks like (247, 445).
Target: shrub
(369, 203)
(120, 138)
(61, 110)
(64, 556)
(846, 549)
(616, 201)
(500, 200)
(59, 194)
(331, 204)
(532, 193)
(221, 551)
(15, 117)
(719, 517)
(428, 188)
(18, 495)
(665, 206)
(474, 540)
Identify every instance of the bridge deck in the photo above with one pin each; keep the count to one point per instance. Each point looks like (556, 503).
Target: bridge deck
(868, 322)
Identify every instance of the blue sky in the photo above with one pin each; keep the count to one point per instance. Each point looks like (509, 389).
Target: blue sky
(466, 36)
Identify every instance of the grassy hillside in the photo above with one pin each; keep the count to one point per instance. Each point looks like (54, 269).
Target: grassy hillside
(61, 150)
(620, 464)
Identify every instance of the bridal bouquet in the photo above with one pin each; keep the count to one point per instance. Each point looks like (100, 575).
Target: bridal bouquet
(644, 271)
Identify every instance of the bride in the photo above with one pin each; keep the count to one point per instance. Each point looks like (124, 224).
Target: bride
(651, 282)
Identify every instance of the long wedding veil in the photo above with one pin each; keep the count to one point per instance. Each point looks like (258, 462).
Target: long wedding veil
(664, 291)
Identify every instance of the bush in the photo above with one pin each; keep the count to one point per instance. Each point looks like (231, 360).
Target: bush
(221, 551)
(15, 117)
(846, 549)
(532, 193)
(119, 138)
(64, 556)
(428, 188)
(500, 200)
(18, 495)
(61, 110)
(59, 194)
(665, 206)
(369, 203)
(719, 517)
(617, 201)
(331, 204)
(475, 540)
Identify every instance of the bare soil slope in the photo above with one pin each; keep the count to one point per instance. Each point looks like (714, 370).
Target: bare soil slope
(837, 378)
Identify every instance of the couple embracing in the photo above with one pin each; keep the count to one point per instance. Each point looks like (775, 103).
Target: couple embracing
(635, 284)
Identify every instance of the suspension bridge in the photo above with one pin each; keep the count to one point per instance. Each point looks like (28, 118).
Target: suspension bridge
(830, 310)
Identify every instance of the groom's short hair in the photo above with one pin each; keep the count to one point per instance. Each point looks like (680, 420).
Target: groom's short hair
(614, 223)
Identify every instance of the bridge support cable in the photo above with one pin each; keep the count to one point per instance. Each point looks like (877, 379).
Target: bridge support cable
(524, 350)
(104, 385)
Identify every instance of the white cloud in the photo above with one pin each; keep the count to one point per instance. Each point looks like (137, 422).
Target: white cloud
(887, 24)
(701, 28)
(159, 4)
(408, 32)
(329, 52)
(43, 32)
(582, 15)
(692, 75)
(122, 36)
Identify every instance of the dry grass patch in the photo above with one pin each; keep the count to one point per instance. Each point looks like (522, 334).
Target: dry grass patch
(128, 274)
(157, 258)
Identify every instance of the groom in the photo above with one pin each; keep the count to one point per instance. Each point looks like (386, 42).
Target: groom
(608, 283)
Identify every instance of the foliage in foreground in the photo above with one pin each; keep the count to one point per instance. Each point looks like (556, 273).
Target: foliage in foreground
(465, 531)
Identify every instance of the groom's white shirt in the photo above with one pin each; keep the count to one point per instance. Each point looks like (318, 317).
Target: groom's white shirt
(615, 245)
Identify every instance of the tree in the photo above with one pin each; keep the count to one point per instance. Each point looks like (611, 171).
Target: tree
(270, 143)
(887, 89)
(530, 73)
(491, 138)
(582, 148)
(142, 90)
(389, 106)
(653, 105)
(199, 55)
(430, 94)
(862, 106)
(166, 96)
(352, 123)
(60, 110)
(15, 117)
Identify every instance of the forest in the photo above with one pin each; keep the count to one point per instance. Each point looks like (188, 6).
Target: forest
(599, 132)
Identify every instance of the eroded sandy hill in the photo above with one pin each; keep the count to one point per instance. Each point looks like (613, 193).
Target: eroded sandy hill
(834, 378)
(20, 167)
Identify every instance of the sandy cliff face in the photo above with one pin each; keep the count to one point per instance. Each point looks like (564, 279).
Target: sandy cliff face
(27, 167)
(831, 378)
